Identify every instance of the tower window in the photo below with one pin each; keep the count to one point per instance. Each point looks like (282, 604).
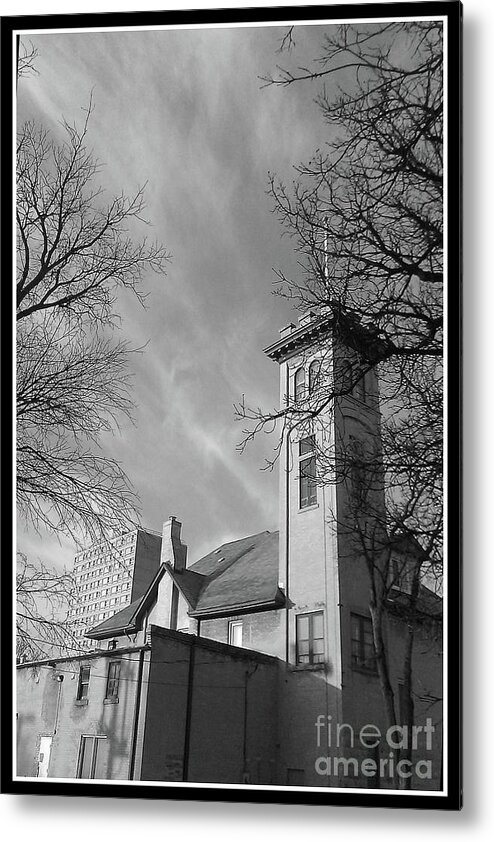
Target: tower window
(299, 385)
(307, 472)
(314, 371)
(310, 638)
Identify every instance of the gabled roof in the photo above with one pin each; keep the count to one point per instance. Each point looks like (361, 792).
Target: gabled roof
(428, 604)
(129, 619)
(237, 577)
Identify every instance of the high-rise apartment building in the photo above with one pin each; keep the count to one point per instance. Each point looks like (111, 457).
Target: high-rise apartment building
(112, 574)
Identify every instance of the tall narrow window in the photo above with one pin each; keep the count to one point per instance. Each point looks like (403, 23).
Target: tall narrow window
(90, 763)
(310, 638)
(307, 472)
(113, 680)
(363, 652)
(299, 385)
(314, 372)
(83, 685)
(235, 633)
(358, 472)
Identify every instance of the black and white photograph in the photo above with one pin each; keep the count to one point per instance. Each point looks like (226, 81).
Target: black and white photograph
(236, 554)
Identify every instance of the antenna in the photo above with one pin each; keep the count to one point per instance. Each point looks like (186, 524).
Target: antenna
(326, 255)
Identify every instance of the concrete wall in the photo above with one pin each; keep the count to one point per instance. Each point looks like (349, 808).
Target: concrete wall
(228, 705)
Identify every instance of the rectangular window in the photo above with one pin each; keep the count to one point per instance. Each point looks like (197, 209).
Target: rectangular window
(89, 764)
(113, 680)
(363, 652)
(310, 638)
(235, 633)
(307, 472)
(83, 685)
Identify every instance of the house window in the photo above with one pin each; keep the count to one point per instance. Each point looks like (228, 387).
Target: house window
(314, 370)
(235, 633)
(363, 652)
(299, 385)
(113, 680)
(307, 472)
(310, 638)
(90, 752)
(83, 686)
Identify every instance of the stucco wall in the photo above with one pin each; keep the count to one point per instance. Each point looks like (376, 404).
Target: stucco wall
(47, 706)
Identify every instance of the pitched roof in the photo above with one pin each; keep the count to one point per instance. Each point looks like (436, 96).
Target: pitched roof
(128, 619)
(239, 576)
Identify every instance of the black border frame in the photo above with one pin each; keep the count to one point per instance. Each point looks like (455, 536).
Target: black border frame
(452, 10)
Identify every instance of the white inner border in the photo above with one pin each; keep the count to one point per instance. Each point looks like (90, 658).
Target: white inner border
(252, 24)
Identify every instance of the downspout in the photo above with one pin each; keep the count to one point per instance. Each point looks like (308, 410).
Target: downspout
(136, 716)
(188, 712)
(287, 526)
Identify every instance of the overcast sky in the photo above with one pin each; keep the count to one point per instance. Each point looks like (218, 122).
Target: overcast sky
(184, 111)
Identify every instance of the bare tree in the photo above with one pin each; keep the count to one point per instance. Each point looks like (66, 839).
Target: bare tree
(26, 58)
(76, 251)
(366, 217)
(74, 254)
(44, 598)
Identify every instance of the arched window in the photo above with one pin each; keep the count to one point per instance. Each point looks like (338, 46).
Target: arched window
(299, 385)
(314, 370)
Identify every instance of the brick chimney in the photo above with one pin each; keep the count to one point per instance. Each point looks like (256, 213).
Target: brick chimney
(172, 549)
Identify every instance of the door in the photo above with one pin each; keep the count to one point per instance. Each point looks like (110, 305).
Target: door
(44, 756)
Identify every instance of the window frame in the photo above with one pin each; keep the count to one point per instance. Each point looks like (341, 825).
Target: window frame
(306, 457)
(94, 754)
(315, 658)
(83, 684)
(232, 625)
(359, 653)
(113, 681)
(299, 384)
(314, 374)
